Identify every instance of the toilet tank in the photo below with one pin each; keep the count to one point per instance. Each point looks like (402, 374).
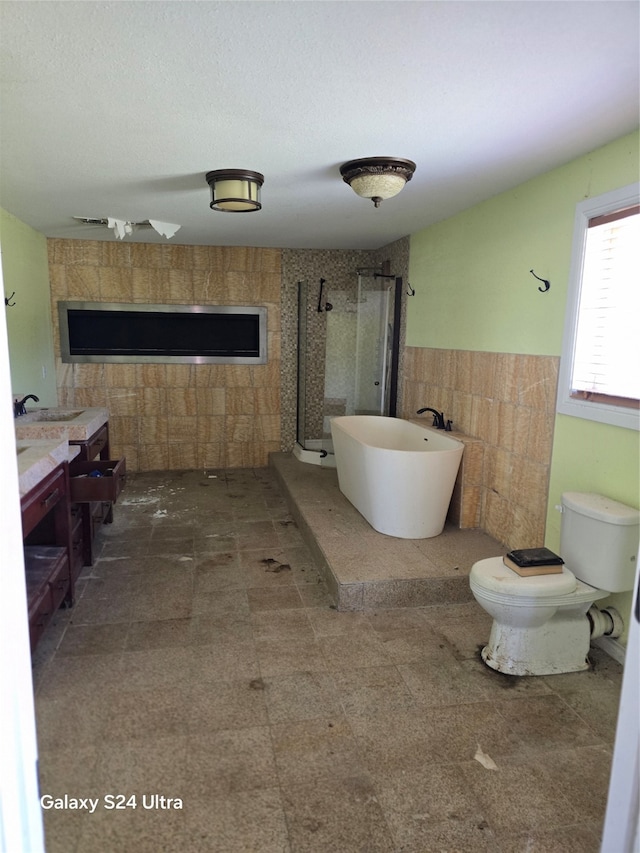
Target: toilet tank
(599, 540)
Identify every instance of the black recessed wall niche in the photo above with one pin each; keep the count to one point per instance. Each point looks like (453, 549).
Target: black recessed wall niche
(191, 334)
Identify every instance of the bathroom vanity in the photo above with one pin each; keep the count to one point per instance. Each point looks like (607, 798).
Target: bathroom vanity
(68, 486)
(95, 480)
(46, 529)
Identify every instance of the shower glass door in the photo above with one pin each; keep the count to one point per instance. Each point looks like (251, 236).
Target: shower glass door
(373, 340)
(345, 356)
(301, 401)
(359, 349)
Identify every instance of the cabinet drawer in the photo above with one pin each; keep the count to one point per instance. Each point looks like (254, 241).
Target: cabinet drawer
(83, 488)
(59, 585)
(97, 442)
(45, 566)
(42, 499)
(95, 445)
(41, 564)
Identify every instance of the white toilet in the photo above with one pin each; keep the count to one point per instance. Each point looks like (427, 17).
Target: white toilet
(543, 625)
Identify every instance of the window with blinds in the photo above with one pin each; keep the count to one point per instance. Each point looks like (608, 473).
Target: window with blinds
(600, 366)
(607, 355)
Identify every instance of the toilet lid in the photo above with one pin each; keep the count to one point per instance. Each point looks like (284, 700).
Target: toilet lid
(492, 574)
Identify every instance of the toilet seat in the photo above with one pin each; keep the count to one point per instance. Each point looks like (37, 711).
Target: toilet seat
(494, 581)
(493, 576)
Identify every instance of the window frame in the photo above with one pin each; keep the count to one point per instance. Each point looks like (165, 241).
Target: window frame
(602, 412)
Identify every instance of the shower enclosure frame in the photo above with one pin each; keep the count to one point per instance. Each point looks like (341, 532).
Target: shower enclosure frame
(319, 450)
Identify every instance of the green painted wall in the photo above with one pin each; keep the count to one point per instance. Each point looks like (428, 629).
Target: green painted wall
(474, 292)
(25, 270)
(591, 457)
(471, 273)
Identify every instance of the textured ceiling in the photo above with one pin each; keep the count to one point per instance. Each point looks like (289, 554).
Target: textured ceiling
(120, 108)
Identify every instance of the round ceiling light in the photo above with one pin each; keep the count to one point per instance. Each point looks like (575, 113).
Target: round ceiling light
(377, 178)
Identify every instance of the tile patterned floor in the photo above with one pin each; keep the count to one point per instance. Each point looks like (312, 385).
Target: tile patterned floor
(203, 661)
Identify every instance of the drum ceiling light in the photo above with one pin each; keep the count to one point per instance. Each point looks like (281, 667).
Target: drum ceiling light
(377, 178)
(235, 190)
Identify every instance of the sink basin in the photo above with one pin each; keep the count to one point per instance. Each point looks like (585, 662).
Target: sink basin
(55, 416)
(60, 422)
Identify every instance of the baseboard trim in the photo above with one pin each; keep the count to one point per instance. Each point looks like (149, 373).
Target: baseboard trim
(612, 647)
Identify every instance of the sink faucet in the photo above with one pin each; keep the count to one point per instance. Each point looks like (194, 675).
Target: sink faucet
(438, 418)
(19, 407)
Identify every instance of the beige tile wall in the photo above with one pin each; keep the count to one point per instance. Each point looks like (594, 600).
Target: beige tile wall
(508, 402)
(165, 416)
(466, 502)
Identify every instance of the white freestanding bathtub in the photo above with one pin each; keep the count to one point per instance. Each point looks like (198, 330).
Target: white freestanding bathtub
(398, 475)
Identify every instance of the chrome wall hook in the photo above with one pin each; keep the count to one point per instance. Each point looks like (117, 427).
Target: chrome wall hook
(547, 284)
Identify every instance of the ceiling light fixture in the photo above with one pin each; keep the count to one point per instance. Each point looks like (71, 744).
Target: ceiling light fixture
(235, 190)
(377, 178)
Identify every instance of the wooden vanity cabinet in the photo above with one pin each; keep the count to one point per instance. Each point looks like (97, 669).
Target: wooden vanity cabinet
(77, 539)
(93, 497)
(46, 530)
(96, 446)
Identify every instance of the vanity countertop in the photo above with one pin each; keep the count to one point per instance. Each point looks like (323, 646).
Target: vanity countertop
(71, 423)
(38, 457)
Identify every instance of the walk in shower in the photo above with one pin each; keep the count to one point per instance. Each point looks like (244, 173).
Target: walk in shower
(348, 346)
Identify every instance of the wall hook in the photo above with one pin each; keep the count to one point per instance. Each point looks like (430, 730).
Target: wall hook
(547, 284)
(410, 290)
(7, 300)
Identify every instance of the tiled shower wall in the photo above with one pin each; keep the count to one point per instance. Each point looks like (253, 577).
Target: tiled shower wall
(508, 402)
(309, 265)
(175, 416)
(339, 268)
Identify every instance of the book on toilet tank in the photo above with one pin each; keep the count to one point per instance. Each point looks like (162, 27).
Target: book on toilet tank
(533, 561)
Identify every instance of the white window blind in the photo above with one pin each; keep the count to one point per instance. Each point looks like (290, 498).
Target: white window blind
(607, 350)
(599, 378)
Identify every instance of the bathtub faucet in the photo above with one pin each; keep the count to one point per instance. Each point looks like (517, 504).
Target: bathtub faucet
(438, 418)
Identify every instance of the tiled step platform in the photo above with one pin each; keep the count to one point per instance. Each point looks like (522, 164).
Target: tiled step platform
(364, 569)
